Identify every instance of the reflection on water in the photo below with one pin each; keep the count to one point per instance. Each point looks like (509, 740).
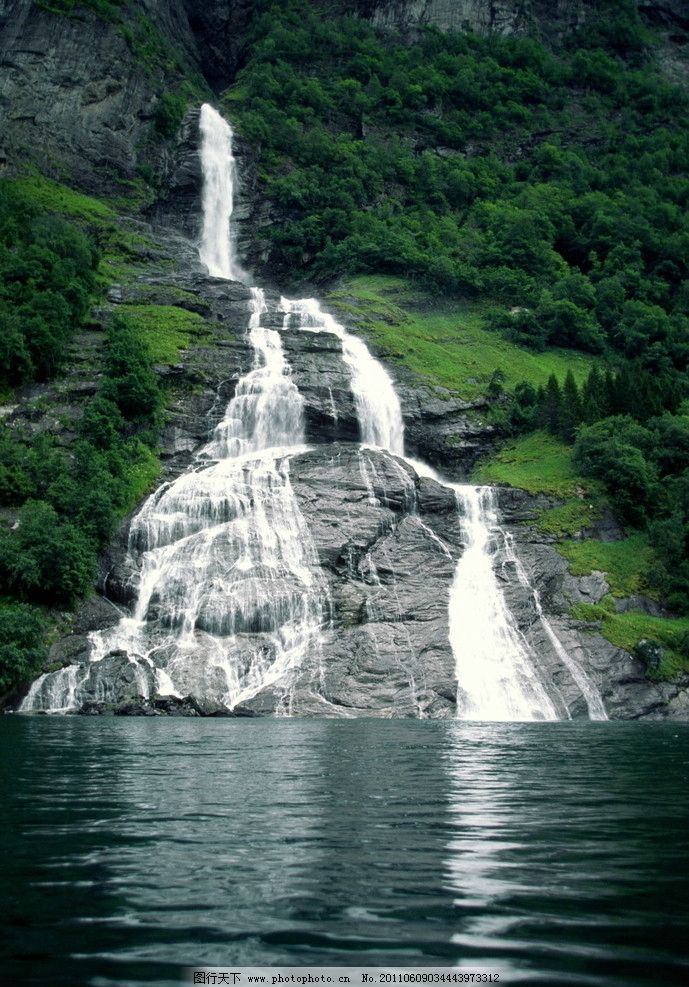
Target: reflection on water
(565, 850)
(552, 852)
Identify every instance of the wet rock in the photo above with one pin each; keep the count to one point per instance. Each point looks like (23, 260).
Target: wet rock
(94, 615)
(94, 708)
(619, 677)
(137, 708)
(117, 679)
(164, 706)
(69, 650)
(389, 543)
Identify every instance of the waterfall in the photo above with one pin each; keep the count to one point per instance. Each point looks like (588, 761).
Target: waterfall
(216, 250)
(377, 404)
(495, 667)
(231, 599)
(497, 679)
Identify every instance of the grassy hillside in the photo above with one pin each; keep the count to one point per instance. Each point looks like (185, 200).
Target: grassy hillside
(446, 340)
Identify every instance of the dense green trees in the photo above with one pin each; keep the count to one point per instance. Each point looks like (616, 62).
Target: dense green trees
(22, 643)
(130, 383)
(66, 504)
(61, 504)
(47, 273)
(624, 436)
(45, 558)
(553, 181)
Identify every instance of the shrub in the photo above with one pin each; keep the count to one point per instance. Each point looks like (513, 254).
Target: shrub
(45, 559)
(22, 643)
(130, 382)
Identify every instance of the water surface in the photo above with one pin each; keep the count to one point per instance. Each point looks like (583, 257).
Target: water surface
(553, 852)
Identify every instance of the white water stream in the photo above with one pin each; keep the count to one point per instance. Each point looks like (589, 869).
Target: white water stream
(231, 598)
(218, 167)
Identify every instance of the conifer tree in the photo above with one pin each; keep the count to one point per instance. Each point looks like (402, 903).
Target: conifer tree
(593, 397)
(571, 411)
(552, 412)
(611, 400)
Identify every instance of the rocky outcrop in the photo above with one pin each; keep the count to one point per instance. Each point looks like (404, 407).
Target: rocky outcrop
(388, 542)
(75, 96)
(620, 677)
(162, 706)
(481, 16)
(550, 19)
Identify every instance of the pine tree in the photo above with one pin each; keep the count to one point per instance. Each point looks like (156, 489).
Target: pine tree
(611, 401)
(571, 414)
(630, 395)
(593, 397)
(553, 405)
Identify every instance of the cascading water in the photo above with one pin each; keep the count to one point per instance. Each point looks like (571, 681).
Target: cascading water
(377, 404)
(495, 668)
(231, 598)
(217, 163)
(496, 676)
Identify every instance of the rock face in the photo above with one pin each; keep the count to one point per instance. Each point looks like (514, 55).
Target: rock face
(619, 676)
(481, 16)
(546, 18)
(74, 96)
(388, 542)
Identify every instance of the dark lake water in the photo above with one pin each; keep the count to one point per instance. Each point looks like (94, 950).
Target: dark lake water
(554, 853)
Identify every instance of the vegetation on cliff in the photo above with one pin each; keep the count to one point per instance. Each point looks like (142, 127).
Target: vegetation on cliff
(512, 219)
(62, 500)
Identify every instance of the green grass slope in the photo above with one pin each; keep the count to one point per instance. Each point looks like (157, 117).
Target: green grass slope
(446, 341)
